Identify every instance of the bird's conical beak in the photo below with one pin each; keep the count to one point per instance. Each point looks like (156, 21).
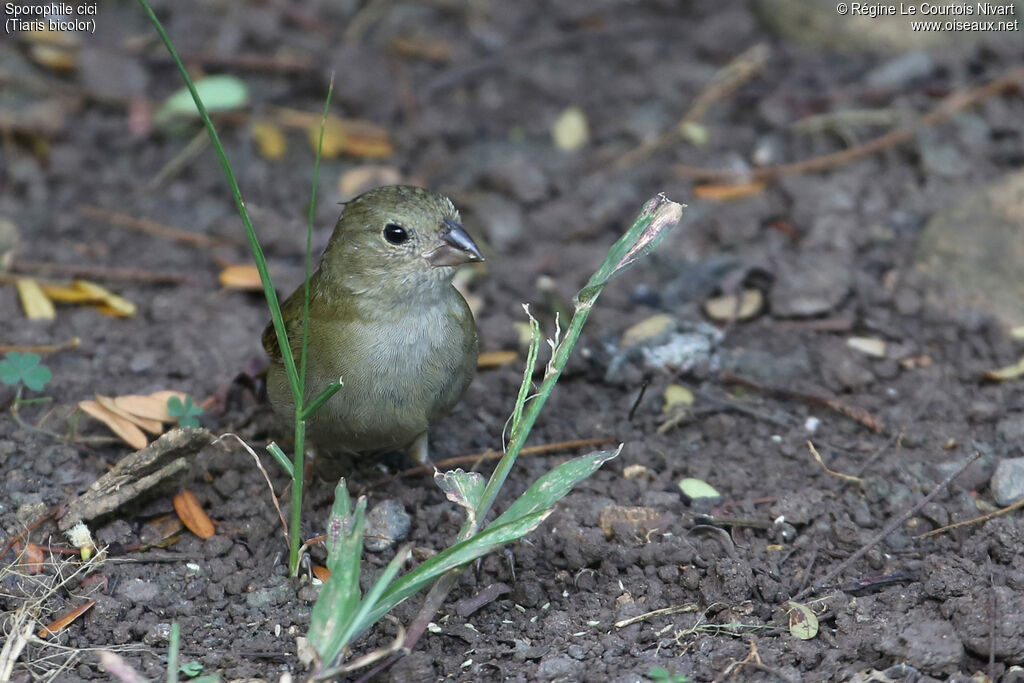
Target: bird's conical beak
(454, 248)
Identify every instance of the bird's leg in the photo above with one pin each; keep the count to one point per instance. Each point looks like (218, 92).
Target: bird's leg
(419, 450)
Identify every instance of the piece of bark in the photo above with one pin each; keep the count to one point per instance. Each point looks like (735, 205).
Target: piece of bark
(137, 473)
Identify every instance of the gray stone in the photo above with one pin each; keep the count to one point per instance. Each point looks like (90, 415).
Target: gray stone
(899, 71)
(274, 595)
(138, 591)
(386, 524)
(1008, 481)
(979, 267)
(560, 668)
(814, 283)
(1011, 428)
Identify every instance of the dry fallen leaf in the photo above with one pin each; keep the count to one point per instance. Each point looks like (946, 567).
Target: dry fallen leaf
(354, 137)
(495, 359)
(359, 179)
(241, 276)
(154, 427)
(61, 622)
(321, 572)
(803, 623)
(869, 346)
(32, 559)
(677, 397)
(192, 514)
(152, 407)
(128, 431)
(36, 304)
(646, 329)
(107, 302)
(270, 141)
(1009, 372)
(722, 308)
(724, 193)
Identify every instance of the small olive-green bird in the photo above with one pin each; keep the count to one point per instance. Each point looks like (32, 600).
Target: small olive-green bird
(385, 318)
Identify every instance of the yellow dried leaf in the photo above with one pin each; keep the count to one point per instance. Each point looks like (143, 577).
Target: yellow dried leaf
(62, 622)
(107, 302)
(495, 359)
(67, 295)
(146, 407)
(358, 180)
(648, 328)
(54, 58)
(1009, 372)
(677, 396)
(192, 514)
(722, 308)
(353, 137)
(242, 276)
(570, 131)
(36, 304)
(1017, 333)
(270, 141)
(149, 425)
(164, 395)
(724, 193)
(125, 429)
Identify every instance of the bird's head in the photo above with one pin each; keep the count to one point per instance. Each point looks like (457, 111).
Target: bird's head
(401, 235)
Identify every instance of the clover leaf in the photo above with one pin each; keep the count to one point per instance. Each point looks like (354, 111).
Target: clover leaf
(25, 368)
(187, 412)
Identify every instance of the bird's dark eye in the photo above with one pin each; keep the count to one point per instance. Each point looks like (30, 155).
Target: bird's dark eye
(395, 233)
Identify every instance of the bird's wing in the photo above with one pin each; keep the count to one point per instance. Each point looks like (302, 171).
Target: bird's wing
(291, 311)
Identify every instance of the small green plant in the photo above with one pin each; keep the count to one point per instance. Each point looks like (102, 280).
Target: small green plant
(662, 675)
(24, 368)
(187, 413)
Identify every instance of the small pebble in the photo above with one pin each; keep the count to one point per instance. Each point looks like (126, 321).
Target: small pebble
(386, 524)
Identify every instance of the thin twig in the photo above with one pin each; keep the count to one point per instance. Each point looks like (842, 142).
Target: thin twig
(977, 520)
(837, 475)
(725, 82)
(858, 415)
(72, 343)
(948, 107)
(663, 612)
(889, 528)
(151, 227)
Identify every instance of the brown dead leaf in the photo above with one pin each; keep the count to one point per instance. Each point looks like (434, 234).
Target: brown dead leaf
(321, 572)
(154, 427)
(495, 359)
(192, 514)
(156, 532)
(243, 276)
(32, 559)
(725, 193)
(152, 407)
(36, 304)
(270, 141)
(62, 622)
(352, 137)
(128, 431)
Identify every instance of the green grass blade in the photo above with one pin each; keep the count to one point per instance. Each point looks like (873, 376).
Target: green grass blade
(309, 251)
(339, 598)
(321, 399)
(553, 486)
(254, 244)
(281, 458)
(172, 653)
